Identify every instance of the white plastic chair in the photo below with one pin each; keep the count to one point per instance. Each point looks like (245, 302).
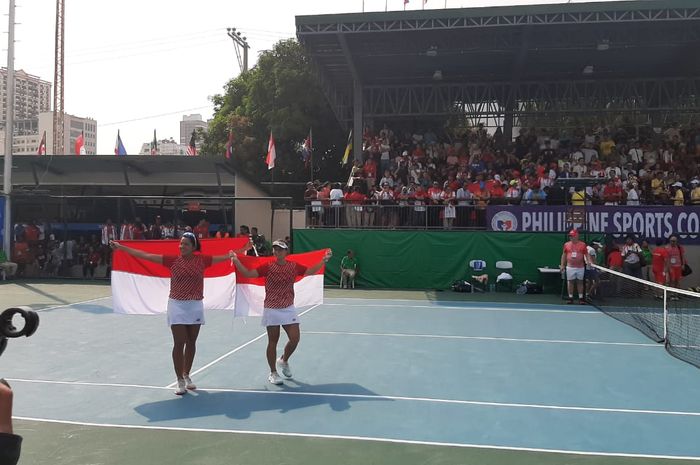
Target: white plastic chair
(347, 281)
(503, 266)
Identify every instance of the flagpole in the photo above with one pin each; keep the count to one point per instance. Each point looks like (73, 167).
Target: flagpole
(311, 155)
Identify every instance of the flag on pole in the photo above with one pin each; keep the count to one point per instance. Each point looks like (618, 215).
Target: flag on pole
(348, 150)
(42, 145)
(80, 144)
(119, 149)
(192, 147)
(142, 287)
(250, 292)
(271, 154)
(229, 145)
(154, 144)
(307, 150)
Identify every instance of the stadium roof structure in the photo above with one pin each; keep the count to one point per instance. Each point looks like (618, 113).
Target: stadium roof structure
(31, 173)
(621, 56)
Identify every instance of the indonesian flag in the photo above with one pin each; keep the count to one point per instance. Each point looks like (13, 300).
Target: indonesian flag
(142, 287)
(42, 145)
(250, 292)
(80, 144)
(271, 153)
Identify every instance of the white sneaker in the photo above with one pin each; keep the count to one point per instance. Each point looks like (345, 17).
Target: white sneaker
(284, 366)
(181, 387)
(189, 384)
(275, 379)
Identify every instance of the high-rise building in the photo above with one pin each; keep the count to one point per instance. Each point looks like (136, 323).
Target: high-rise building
(165, 147)
(73, 126)
(32, 97)
(188, 124)
(21, 144)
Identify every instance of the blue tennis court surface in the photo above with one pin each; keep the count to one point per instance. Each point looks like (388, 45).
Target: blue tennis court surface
(505, 376)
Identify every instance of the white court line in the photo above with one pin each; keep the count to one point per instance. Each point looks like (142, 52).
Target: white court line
(231, 352)
(363, 438)
(393, 398)
(485, 338)
(486, 309)
(72, 303)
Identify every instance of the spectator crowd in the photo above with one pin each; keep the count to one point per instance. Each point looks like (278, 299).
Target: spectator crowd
(445, 181)
(39, 250)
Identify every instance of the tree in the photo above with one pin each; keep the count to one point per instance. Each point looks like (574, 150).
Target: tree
(280, 94)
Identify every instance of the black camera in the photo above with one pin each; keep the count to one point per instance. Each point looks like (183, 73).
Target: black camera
(8, 330)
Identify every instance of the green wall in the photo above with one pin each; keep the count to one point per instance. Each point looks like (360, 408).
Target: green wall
(429, 260)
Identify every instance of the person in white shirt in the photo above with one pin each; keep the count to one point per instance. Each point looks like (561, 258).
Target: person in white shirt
(387, 179)
(632, 195)
(631, 253)
(336, 196)
(613, 171)
(636, 155)
(589, 153)
(580, 169)
(591, 274)
(576, 155)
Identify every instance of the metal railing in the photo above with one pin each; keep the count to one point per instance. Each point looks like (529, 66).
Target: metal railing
(396, 215)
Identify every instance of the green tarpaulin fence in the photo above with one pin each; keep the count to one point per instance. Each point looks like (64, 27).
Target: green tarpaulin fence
(430, 260)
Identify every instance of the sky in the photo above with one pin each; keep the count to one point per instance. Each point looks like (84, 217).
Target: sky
(140, 65)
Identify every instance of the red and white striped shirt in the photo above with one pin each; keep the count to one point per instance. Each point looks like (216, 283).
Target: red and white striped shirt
(279, 285)
(187, 275)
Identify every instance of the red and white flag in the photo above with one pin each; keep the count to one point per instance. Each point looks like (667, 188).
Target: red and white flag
(250, 292)
(42, 145)
(142, 287)
(80, 144)
(271, 154)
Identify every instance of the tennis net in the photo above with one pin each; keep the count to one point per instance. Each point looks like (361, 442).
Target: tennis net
(662, 313)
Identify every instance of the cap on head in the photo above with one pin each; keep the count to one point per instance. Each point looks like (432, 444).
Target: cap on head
(280, 244)
(573, 233)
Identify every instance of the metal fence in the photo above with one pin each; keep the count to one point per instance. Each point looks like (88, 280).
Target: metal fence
(409, 215)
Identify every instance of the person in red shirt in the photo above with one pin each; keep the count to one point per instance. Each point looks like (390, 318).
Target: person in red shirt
(612, 193)
(574, 259)
(676, 262)
(279, 310)
(659, 264)
(186, 300)
(202, 229)
(355, 199)
(370, 170)
(31, 233)
(615, 258)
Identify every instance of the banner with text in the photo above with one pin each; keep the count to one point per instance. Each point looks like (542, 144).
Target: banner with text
(650, 222)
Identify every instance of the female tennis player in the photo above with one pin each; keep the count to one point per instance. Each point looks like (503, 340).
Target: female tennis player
(185, 303)
(279, 304)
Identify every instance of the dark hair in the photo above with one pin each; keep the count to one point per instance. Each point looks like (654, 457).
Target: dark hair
(659, 242)
(193, 240)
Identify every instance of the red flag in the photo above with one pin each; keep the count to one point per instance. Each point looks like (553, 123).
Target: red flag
(271, 154)
(229, 145)
(42, 145)
(80, 144)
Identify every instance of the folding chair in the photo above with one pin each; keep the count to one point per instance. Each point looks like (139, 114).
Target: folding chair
(503, 266)
(477, 267)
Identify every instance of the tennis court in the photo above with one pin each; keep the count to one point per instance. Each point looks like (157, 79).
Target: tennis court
(380, 377)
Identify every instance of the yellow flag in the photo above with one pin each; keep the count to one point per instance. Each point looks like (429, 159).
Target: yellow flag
(348, 150)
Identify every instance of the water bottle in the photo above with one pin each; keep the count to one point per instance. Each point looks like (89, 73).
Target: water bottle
(492, 287)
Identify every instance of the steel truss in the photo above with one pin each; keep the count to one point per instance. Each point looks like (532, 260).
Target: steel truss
(494, 98)
(499, 20)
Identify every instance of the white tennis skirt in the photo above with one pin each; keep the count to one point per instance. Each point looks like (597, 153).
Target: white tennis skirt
(280, 316)
(185, 312)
